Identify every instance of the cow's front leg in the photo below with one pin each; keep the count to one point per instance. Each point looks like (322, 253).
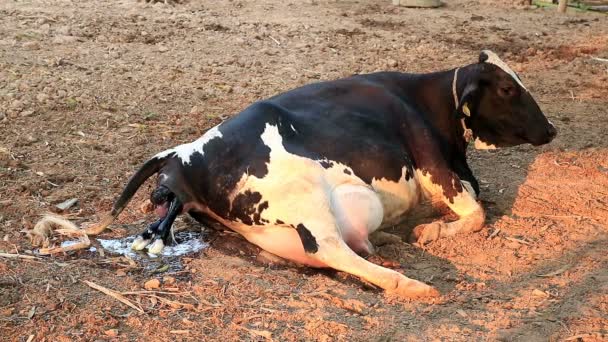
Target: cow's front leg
(461, 199)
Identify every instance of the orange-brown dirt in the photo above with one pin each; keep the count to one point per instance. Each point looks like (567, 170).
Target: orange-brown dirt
(90, 89)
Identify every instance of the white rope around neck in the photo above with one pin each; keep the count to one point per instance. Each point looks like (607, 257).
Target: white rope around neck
(468, 133)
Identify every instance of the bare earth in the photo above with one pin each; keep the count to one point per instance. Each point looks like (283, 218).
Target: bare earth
(90, 89)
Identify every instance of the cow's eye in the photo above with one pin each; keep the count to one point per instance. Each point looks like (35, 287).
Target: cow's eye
(506, 91)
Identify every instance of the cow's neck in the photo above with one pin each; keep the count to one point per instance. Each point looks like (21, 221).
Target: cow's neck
(435, 96)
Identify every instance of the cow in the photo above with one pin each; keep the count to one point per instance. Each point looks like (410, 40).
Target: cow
(311, 173)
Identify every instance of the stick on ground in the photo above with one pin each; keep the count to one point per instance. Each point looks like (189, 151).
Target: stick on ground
(18, 256)
(113, 294)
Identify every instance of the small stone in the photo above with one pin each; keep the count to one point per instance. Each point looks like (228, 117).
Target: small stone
(23, 86)
(539, 293)
(17, 105)
(67, 204)
(152, 284)
(2, 116)
(194, 110)
(114, 54)
(63, 39)
(64, 30)
(31, 45)
(27, 113)
(392, 63)
(111, 332)
(162, 48)
(167, 280)
(42, 97)
(45, 28)
(61, 93)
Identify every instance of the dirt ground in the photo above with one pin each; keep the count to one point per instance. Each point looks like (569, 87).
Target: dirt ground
(90, 89)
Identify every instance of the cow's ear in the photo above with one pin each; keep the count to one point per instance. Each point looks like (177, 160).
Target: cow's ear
(467, 99)
(483, 56)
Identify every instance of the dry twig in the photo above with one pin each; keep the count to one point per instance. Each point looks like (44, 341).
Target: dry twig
(518, 240)
(18, 256)
(114, 294)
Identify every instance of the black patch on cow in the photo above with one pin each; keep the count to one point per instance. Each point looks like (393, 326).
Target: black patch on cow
(326, 164)
(308, 240)
(351, 121)
(262, 206)
(210, 178)
(279, 222)
(244, 207)
(257, 216)
(347, 171)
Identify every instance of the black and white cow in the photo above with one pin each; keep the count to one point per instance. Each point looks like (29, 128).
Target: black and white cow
(309, 174)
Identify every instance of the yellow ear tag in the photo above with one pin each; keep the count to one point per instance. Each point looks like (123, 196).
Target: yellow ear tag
(465, 109)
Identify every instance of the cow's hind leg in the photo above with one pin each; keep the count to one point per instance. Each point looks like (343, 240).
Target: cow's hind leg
(334, 252)
(318, 243)
(358, 212)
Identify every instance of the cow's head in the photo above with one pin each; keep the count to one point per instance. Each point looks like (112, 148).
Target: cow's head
(499, 109)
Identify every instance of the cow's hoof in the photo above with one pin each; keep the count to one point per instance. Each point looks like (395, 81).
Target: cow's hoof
(156, 247)
(426, 233)
(413, 289)
(139, 244)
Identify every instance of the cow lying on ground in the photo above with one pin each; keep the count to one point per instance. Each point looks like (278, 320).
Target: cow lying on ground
(309, 174)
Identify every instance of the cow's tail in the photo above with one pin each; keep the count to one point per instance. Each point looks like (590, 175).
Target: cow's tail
(147, 170)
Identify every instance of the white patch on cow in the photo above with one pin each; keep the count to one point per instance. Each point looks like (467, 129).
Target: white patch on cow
(185, 151)
(397, 197)
(494, 59)
(290, 179)
(462, 204)
(481, 145)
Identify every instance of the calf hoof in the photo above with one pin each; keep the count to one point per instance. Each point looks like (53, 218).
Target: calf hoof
(156, 247)
(426, 233)
(139, 243)
(413, 289)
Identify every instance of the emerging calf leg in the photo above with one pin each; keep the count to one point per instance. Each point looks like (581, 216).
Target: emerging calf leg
(164, 229)
(146, 236)
(167, 206)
